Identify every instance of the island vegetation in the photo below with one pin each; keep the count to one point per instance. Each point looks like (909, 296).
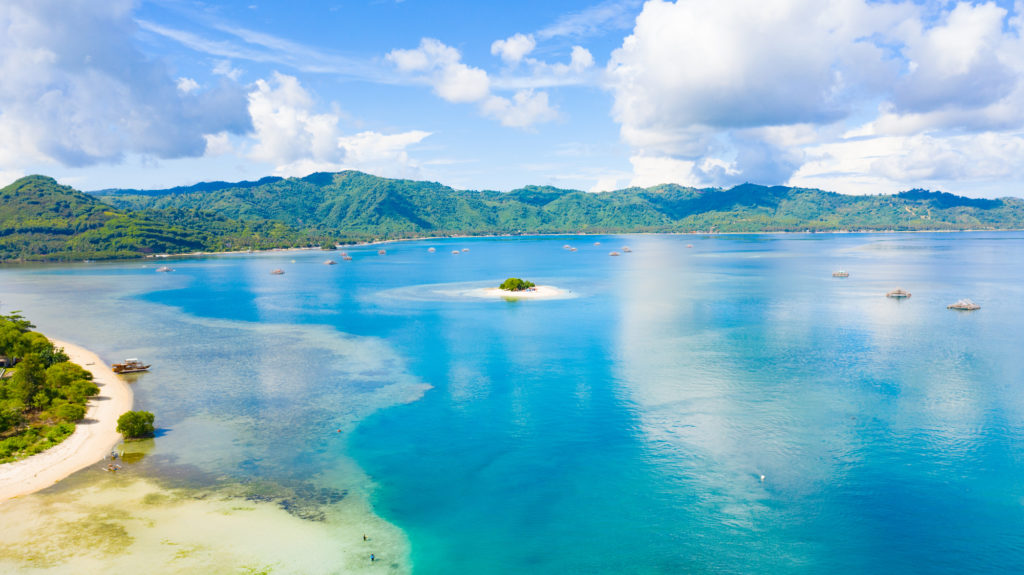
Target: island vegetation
(41, 220)
(135, 424)
(42, 394)
(516, 284)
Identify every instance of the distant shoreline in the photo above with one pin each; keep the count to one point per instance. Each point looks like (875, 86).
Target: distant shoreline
(93, 438)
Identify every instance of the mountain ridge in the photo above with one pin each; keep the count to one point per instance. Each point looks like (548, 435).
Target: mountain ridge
(43, 220)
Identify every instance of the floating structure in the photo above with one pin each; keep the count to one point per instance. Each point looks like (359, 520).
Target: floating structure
(898, 294)
(277, 272)
(964, 305)
(130, 365)
(431, 250)
(841, 274)
(330, 263)
(165, 269)
(626, 249)
(614, 254)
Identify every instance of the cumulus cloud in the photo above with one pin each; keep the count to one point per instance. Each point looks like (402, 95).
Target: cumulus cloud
(513, 49)
(454, 81)
(76, 90)
(292, 136)
(710, 92)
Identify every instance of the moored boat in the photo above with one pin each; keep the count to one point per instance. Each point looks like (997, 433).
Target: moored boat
(165, 269)
(626, 249)
(431, 250)
(964, 305)
(277, 272)
(130, 365)
(330, 263)
(898, 294)
(841, 274)
(614, 254)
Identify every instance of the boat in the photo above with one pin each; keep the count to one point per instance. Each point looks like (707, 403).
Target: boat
(330, 263)
(626, 249)
(130, 365)
(964, 305)
(572, 249)
(689, 245)
(898, 294)
(597, 243)
(566, 246)
(346, 257)
(277, 272)
(465, 249)
(841, 274)
(382, 252)
(614, 254)
(165, 269)
(456, 252)
(431, 250)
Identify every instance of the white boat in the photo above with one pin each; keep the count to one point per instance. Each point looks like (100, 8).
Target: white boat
(964, 305)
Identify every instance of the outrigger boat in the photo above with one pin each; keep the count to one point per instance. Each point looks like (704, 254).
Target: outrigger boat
(130, 365)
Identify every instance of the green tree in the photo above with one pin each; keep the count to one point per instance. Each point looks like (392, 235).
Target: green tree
(516, 284)
(136, 424)
(70, 411)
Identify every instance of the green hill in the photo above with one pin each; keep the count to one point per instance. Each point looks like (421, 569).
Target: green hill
(361, 206)
(42, 220)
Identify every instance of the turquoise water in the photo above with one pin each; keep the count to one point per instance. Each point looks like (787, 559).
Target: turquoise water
(725, 408)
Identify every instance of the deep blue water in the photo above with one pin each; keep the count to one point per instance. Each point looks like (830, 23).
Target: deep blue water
(725, 408)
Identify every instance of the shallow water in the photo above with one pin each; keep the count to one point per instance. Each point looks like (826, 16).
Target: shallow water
(728, 407)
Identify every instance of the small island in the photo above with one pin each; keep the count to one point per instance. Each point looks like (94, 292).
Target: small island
(516, 285)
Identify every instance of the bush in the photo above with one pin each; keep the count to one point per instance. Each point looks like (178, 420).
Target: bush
(516, 284)
(136, 424)
(70, 411)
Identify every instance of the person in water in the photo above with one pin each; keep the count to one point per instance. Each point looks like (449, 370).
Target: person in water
(372, 558)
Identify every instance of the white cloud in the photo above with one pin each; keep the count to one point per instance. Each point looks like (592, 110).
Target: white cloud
(294, 138)
(187, 85)
(710, 92)
(76, 90)
(526, 108)
(456, 82)
(513, 49)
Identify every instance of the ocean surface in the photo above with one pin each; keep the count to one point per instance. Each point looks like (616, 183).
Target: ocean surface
(701, 404)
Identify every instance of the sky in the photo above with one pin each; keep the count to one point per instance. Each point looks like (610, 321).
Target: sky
(852, 96)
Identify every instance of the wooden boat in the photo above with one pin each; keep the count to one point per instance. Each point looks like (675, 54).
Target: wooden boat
(165, 269)
(130, 365)
(964, 305)
(330, 263)
(277, 272)
(841, 274)
(898, 294)
(614, 254)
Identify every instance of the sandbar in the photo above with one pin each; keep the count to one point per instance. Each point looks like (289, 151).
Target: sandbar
(93, 438)
(538, 292)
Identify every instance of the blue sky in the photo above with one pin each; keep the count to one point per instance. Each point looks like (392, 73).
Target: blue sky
(854, 96)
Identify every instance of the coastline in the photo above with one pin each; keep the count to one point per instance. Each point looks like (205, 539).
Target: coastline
(93, 438)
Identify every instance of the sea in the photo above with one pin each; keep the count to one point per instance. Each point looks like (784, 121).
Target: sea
(696, 404)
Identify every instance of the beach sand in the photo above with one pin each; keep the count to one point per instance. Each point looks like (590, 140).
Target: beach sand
(539, 292)
(92, 440)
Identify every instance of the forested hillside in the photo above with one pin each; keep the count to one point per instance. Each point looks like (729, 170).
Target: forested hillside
(42, 220)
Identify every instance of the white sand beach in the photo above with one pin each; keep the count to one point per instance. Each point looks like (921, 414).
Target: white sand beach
(92, 440)
(538, 292)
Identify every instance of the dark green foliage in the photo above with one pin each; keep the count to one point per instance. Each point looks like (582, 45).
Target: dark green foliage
(41, 220)
(136, 424)
(516, 284)
(43, 390)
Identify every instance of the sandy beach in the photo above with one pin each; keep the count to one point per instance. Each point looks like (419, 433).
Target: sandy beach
(92, 440)
(538, 292)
